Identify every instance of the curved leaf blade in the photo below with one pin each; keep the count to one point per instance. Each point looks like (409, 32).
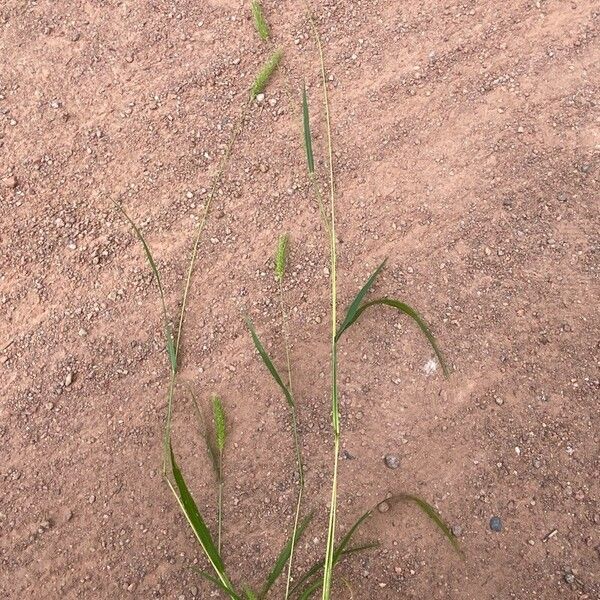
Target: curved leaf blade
(351, 313)
(218, 583)
(269, 363)
(434, 516)
(339, 551)
(194, 518)
(410, 312)
(283, 557)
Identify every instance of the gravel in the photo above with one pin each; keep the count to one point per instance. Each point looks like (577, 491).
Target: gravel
(391, 461)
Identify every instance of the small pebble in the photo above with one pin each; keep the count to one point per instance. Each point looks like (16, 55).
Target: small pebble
(68, 379)
(457, 530)
(10, 182)
(569, 578)
(383, 507)
(391, 461)
(496, 524)
(260, 98)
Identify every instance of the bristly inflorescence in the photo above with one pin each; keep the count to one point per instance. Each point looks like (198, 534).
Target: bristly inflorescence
(281, 256)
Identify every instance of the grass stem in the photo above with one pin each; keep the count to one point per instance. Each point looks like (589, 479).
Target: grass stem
(335, 413)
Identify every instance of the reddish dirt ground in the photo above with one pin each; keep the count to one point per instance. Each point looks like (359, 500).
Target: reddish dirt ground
(467, 139)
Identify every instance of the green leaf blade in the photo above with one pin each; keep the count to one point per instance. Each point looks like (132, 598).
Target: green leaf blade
(435, 517)
(269, 364)
(353, 309)
(283, 557)
(410, 312)
(307, 134)
(192, 514)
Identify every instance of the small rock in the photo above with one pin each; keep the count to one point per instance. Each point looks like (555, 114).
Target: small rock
(569, 578)
(92, 499)
(68, 379)
(521, 130)
(457, 530)
(499, 401)
(391, 461)
(82, 333)
(10, 182)
(260, 98)
(496, 524)
(383, 507)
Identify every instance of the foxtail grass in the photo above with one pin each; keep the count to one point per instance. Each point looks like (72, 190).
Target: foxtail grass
(355, 310)
(220, 435)
(264, 75)
(260, 22)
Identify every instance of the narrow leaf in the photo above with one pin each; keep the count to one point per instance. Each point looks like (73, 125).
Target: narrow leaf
(250, 595)
(339, 551)
(269, 364)
(307, 135)
(314, 570)
(433, 516)
(192, 514)
(355, 306)
(265, 74)
(168, 333)
(310, 590)
(259, 21)
(407, 310)
(284, 556)
(220, 585)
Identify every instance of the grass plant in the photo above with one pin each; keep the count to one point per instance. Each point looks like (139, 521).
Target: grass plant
(320, 575)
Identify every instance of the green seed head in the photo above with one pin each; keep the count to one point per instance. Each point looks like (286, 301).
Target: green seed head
(220, 424)
(281, 256)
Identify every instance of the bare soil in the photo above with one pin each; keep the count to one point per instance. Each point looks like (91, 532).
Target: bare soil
(467, 140)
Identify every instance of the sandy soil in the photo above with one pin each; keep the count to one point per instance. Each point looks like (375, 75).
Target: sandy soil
(467, 150)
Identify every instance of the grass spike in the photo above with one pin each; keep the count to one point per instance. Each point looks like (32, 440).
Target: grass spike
(265, 74)
(260, 22)
(220, 422)
(281, 257)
